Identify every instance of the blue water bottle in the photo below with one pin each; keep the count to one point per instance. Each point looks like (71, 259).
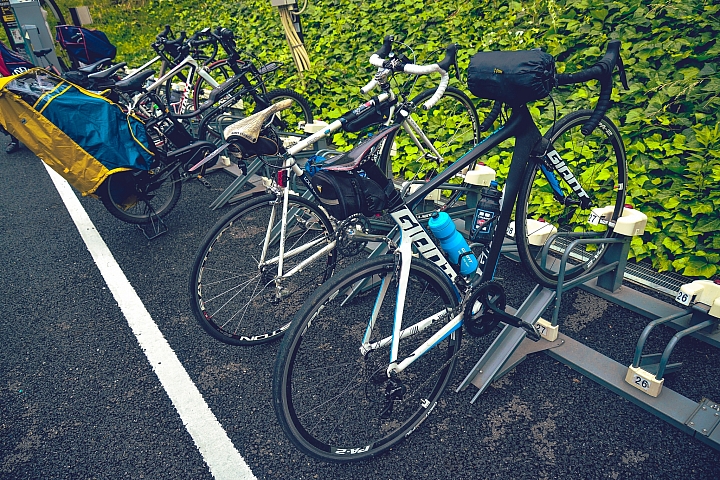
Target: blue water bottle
(452, 242)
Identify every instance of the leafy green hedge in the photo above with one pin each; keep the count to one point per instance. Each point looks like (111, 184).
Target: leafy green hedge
(669, 117)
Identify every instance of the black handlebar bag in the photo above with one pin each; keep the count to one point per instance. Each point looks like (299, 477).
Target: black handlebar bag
(514, 78)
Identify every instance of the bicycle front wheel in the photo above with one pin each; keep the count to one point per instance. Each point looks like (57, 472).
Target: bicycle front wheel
(551, 198)
(235, 291)
(451, 125)
(331, 392)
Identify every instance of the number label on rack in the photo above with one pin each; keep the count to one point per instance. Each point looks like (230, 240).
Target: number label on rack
(641, 382)
(683, 298)
(593, 218)
(511, 230)
(540, 328)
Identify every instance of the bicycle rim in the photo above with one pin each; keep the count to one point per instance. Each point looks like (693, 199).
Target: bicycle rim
(236, 299)
(329, 398)
(598, 163)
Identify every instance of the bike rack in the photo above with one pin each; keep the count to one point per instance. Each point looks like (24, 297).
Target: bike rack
(154, 228)
(696, 314)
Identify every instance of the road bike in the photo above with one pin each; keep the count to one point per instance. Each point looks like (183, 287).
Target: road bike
(370, 352)
(261, 260)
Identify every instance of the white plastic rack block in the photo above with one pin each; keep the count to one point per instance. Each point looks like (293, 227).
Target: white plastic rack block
(644, 381)
(480, 176)
(539, 231)
(706, 292)
(631, 222)
(547, 330)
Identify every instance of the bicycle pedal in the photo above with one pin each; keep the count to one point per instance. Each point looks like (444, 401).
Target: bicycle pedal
(202, 180)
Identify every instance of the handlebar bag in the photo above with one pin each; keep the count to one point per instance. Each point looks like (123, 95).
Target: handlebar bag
(345, 193)
(512, 77)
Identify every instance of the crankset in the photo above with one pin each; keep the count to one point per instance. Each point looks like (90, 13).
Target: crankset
(485, 309)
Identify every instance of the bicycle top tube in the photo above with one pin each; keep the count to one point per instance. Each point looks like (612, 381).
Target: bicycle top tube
(177, 68)
(520, 125)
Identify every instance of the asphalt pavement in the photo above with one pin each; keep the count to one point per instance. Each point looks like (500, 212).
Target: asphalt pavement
(80, 397)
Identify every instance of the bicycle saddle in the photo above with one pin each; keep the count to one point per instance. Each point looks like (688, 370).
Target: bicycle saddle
(352, 159)
(93, 67)
(250, 127)
(134, 83)
(107, 73)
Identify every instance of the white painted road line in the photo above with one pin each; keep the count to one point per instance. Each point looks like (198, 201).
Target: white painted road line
(221, 456)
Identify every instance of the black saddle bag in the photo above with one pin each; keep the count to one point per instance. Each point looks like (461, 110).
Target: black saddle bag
(514, 78)
(345, 193)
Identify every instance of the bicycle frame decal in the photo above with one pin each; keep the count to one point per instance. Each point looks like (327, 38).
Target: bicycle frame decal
(570, 179)
(412, 230)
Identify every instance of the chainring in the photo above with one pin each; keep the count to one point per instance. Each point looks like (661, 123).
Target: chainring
(480, 319)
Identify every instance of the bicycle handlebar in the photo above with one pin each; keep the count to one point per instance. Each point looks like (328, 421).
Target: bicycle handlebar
(386, 61)
(601, 71)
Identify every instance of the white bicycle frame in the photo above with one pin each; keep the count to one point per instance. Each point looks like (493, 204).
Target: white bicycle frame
(413, 232)
(409, 125)
(414, 131)
(195, 67)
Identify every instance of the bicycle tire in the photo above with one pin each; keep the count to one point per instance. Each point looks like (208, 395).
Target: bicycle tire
(291, 120)
(599, 164)
(319, 361)
(234, 298)
(127, 197)
(452, 125)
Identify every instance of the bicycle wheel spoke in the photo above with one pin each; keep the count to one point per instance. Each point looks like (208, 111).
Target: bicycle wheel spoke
(336, 398)
(239, 300)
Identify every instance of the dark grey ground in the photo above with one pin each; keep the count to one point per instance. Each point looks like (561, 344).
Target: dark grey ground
(79, 400)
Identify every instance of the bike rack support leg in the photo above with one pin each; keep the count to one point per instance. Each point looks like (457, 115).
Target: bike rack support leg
(486, 370)
(154, 228)
(236, 185)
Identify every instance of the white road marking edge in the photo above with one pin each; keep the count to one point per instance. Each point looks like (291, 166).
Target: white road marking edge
(221, 456)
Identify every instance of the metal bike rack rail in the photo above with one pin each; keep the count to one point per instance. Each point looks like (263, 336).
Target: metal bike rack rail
(699, 419)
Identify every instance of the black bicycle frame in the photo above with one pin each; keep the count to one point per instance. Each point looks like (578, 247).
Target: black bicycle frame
(521, 126)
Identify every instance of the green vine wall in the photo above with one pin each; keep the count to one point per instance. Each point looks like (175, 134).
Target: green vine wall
(668, 117)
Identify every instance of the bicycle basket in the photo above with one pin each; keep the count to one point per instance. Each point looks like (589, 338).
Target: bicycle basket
(511, 77)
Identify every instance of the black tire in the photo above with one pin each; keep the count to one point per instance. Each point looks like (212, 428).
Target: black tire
(130, 197)
(452, 126)
(598, 162)
(231, 295)
(328, 396)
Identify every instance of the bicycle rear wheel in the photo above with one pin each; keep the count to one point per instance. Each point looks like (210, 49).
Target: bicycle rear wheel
(134, 197)
(331, 399)
(597, 161)
(241, 301)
